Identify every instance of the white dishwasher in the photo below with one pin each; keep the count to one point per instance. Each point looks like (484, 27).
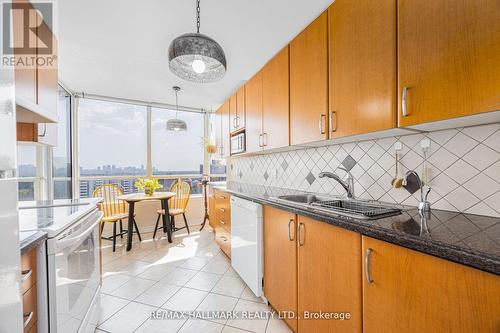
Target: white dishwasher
(247, 242)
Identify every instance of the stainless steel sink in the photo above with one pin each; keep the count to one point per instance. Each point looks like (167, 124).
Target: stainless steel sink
(359, 209)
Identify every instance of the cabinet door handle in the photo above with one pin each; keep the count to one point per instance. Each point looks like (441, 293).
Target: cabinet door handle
(404, 110)
(44, 131)
(27, 318)
(332, 128)
(26, 275)
(289, 232)
(367, 265)
(260, 140)
(321, 123)
(264, 135)
(299, 234)
(237, 121)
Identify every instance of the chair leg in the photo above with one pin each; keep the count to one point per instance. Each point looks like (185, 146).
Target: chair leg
(114, 236)
(156, 226)
(185, 222)
(102, 227)
(172, 222)
(137, 229)
(121, 229)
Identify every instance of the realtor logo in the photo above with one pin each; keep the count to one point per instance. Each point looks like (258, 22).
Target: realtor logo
(27, 40)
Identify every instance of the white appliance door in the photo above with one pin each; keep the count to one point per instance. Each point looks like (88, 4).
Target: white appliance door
(246, 242)
(11, 318)
(73, 265)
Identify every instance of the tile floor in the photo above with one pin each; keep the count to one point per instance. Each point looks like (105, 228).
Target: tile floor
(191, 274)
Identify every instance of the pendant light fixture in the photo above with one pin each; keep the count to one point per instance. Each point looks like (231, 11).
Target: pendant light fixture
(197, 57)
(176, 124)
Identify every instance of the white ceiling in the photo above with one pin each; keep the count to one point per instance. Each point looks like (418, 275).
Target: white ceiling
(118, 48)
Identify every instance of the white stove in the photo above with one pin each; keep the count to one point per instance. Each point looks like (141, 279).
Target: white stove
(72, 258)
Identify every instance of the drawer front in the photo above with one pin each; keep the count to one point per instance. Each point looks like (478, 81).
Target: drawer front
(222, 209)
(223, 239)
(28, 270)
(29, 308)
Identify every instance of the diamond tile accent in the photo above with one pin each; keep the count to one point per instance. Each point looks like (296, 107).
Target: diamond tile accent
(464, 168)
(349, 162)
(310, 178)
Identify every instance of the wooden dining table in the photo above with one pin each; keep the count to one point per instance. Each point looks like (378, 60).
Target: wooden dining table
(133, 198)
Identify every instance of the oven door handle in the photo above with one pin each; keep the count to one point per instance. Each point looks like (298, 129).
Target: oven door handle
(66, 242)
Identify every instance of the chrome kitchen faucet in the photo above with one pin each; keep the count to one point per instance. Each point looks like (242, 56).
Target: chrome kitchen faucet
(348, 184)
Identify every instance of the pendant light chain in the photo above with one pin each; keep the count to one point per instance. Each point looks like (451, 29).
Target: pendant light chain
(198, 16)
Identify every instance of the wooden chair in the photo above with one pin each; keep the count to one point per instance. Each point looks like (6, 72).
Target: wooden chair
(177, 205)
(114, 210)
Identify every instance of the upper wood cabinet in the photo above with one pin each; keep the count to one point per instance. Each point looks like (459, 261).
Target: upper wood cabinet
(253, 112)
(47, 77)
(448, 59)
(237, 110)
(362, 66)
(309, 83)
(280, 261)
(275, 101)
(423, 293)
(329, 276)
(233, 113)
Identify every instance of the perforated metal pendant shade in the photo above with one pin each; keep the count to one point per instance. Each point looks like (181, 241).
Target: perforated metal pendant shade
(193, 46)
(176, 124)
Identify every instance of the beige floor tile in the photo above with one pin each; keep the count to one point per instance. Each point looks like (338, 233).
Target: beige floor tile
(113, 281)
(195, 263)
(158, 294)
(109, 306)
(133, 288)
(201, 326)
(229, 329)
(215, 302)
(185, 299)
(229, 286)
(179, 276)
(203, 281)
(253, 324)
(216, 265)
(128, 318)
(276, 325)
(250, 296)
(161, 326)
(231, 272)
(156, 272)
(135, 268)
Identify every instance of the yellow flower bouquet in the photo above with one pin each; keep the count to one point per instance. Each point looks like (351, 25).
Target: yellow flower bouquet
(148, 185)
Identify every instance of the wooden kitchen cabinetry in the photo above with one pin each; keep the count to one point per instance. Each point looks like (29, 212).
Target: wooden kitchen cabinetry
(415, 292)
(362, 55)
(222, 220)
(222, 130)
(309, 83)
(280, 261)
(329, 276)
(253, 108)
(29, 291)
(275, 102)
(237, 110)
(448, 59)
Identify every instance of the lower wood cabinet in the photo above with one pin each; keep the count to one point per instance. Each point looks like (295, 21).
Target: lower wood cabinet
(221, 220)
(329, 277)
(29, 291)
(415, 292)
(280, 261)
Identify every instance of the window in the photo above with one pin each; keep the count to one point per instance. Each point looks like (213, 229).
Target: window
(113, 138)
(32, 171)
(217, 164)
(61, 155)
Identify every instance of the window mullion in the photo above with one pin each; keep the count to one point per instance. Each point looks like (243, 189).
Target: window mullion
(149, 162)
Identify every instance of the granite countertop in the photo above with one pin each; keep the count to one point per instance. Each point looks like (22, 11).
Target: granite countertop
(31, 239)
(472, 240)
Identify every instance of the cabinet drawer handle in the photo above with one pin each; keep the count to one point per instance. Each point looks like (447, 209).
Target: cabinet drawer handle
(404, 110)
(26, 275)
(299, 234)
(332, 128)
(289, 232)
(222, 222)
(321, 123)
(367, 265)
(27, 318)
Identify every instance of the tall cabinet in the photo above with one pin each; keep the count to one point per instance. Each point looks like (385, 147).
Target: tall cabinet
(309, 83)
(448, 59)
(362, 66)
(253, 107)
